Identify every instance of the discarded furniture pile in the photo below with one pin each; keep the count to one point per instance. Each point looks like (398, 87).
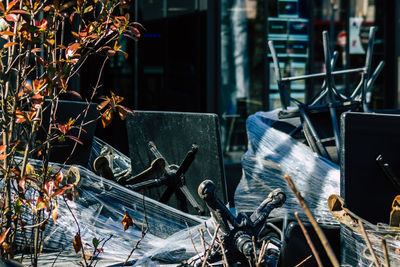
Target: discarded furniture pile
(302, 165)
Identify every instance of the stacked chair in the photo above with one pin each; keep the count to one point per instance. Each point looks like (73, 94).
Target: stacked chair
(320, 117)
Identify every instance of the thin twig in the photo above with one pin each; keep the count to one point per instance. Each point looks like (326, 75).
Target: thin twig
(144, 232)
(364, 233)
(310, 243)
(303, 261)
(314, 223)
(58, 255)
(210, 247)
(385, 252)
(191, 239)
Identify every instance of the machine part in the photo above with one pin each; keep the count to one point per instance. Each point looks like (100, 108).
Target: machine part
(241, 235)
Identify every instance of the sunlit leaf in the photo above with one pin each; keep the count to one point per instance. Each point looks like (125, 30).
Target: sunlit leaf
(20, 11)
(40, 204)
(62, 190)
(19, 117)
(75, 93)
(103, 104)
(71, 50)
(106, 117)
(21, 185)
(54, 213)
(10, 44)
(49, 187)
(110, 53)
(11, 17)
(4, 235)
(127, 221)
(11, 5)
(95, 242)
(36, 50)
(59, 178)
(7, 33)
(88, 9)
(77, 243)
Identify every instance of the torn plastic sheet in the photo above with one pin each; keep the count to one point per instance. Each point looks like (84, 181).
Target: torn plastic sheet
(121, 164)
(99, 209)
(354, 249)
(272, 154)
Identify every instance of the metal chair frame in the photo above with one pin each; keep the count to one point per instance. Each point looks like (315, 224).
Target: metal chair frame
(329, 98)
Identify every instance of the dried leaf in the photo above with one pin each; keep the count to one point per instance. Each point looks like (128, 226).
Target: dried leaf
(127, 221)
(75, 139)
(122, 112)
(77, 243)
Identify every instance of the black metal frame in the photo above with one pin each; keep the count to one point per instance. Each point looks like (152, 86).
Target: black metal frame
(329, 99)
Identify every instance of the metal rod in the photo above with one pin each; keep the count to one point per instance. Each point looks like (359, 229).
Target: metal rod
(322, 74)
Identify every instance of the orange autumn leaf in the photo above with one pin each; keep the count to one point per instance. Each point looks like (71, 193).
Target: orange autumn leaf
(10, 44)
(127, 221)
(4, 235)
(77, 242)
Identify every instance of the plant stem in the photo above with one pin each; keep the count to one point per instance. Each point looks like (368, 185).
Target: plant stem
(314, 223)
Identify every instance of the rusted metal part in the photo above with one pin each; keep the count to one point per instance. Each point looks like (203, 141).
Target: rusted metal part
(345, 216)
(395, 213)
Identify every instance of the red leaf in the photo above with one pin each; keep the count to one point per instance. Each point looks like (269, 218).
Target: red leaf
(59, 178)
(2, 7)
(75, 93)
(3, 235)
(40, 204)
(71, 50)
(62, 190)
(40, 60)
(77, 243)
(103, 104)
(122, 112)
(127, 221)
(49, 187)
(21, 184)
(2, 148)
(19, 11)
(11, 17)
